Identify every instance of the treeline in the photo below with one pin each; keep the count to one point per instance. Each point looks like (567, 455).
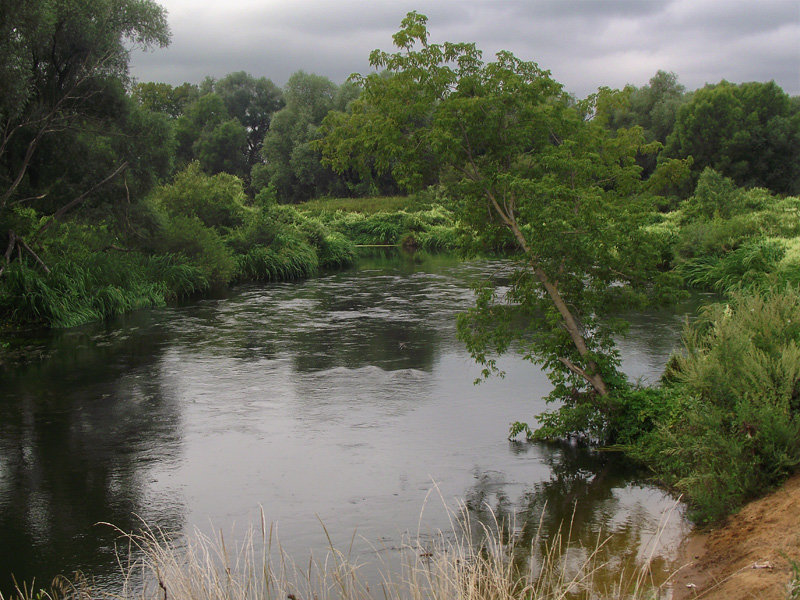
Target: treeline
(249, 127)
(118, 194)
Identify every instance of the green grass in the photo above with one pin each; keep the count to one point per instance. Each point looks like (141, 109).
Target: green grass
(360, 205)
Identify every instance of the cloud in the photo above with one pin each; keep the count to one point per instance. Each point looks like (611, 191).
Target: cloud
(584, 43)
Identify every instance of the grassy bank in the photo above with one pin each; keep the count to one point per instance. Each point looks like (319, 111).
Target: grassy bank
(197, 234)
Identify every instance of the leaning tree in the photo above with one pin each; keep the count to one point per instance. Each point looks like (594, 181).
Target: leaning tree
(518, 157)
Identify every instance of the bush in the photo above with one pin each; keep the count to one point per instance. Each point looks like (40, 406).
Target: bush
(201, 245)
(287, 258)
(218, 200)
(753, 266)
(734, 429)
(336, 251)
(80, 290)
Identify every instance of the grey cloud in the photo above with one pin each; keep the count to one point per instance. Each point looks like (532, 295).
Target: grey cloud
(584, 43)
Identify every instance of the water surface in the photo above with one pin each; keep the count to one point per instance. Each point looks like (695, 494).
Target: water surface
(342, 399)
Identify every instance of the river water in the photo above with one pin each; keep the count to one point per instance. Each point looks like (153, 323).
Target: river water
(343, 399)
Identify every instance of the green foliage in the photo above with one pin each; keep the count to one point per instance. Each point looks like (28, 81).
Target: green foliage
(653, 107)
(621, 418)
(520, 161)
(714, 196)
(360, 205)
(434, 229)
(219, 149)
(203, 246)
(218, 201)
(288, 258)
(252, 103)
(163, 98)
(64, 64)
(733, 237)
(748, 132)
(733, 427)
(336, 251)
(292, 162)
(754, 265)
(93, 287)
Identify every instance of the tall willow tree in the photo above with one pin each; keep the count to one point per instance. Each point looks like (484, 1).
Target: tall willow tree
(58, 61)
(523, 161)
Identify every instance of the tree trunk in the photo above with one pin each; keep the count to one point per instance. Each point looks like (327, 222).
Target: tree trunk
(593, 377)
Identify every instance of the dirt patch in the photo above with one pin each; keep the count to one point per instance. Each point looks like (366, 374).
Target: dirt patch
(744, 558)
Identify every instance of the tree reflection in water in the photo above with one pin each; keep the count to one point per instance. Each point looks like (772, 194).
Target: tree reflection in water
(594, 501)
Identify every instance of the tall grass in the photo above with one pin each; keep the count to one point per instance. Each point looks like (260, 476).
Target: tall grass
(431, 229)
(754, 265)
(95, 286)
(469, 562)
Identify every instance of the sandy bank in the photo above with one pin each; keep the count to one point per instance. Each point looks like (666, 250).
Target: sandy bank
(745, 558)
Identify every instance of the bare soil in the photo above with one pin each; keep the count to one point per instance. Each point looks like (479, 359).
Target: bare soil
(746, 557)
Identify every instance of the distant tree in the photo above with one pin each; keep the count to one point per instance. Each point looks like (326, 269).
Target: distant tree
(164, 98)
(653, 107)
(219, 148)
(195, 132)
(521, 163)
(749, 132)
(292, 165)
(656, 105)
(252, 102)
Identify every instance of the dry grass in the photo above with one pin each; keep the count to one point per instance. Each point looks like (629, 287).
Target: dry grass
(453, 566)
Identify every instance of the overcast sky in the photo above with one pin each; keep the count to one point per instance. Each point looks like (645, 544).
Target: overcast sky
(584, 43)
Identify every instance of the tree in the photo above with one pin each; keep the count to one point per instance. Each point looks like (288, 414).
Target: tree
(252, 101)
(219, 150)
(205, 113)
(749, 132)
(293, 166)
(654, 106)
(163, 98)
(516, 158)
(58, 57)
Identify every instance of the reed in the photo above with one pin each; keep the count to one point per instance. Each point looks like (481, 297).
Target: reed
(471, 561)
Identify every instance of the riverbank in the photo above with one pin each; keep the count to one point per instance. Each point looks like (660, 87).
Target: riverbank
(749, 555)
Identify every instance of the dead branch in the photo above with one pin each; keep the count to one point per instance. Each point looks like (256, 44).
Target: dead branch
(32, 253)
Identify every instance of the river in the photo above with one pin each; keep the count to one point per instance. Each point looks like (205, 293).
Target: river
(343, 399)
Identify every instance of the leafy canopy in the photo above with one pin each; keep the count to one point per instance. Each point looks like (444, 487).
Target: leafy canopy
(749, 132)
(521, 161)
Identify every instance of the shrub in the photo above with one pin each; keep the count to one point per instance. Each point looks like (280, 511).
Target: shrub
(201, 245)
(754, 265)
(79, 290)
(734, 430)
(336, 251)
(218, 200)
(289, 257)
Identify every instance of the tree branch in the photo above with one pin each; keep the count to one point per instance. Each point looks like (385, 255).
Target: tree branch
(70, 205)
